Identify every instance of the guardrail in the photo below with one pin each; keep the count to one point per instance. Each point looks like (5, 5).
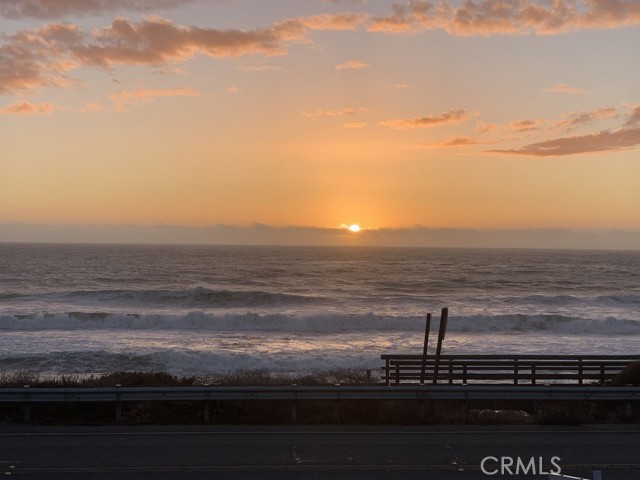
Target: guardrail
(514, 369)
(119, 395)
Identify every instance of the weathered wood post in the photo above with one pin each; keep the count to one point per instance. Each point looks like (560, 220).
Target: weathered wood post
(424, 348)
(441, 332)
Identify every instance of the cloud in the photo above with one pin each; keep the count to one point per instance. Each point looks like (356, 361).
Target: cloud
(355, 125)
(452, 116)
(137, 96)
(453, 142)
(234, 89)
(351, 65)
(51, 9)
(634, 117)
(482, 127)
(596, 142)
(562, 88)
(322, 112)
(577, 119)
(27, 108)
(401, 86)
(510, 17)
(525, 125)
(339, 21)
(44, 57)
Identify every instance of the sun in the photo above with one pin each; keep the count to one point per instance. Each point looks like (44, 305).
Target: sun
(355, 228)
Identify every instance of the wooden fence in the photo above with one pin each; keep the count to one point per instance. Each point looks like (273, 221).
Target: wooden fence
(513, 369)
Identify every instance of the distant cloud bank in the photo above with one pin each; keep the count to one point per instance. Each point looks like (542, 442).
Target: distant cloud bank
(259, 234)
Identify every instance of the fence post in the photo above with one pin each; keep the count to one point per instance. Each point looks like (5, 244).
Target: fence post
(386, 370)
(441, 333)
(424, 347)
(580, 371)
(533, 374)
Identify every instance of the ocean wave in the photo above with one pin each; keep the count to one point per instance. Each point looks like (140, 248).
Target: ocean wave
(182, 362)
(323, 323)
(199, 297)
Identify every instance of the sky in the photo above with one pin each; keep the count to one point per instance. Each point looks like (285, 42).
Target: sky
(486, 122)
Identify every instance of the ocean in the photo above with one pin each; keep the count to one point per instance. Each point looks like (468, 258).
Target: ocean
(195, 310)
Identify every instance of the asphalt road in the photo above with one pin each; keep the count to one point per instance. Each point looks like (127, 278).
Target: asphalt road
(438, 453)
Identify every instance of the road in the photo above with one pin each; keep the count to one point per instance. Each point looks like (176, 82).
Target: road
(338, 452)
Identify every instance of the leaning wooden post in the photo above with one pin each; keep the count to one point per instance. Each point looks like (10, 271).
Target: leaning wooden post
(424, 348)
(441, 331)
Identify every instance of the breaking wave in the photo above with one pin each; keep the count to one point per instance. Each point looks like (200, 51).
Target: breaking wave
(190, 297)
(322, 323)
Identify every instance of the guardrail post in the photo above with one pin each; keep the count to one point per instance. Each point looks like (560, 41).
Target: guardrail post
(450, 371)
(602, 372)
(397, 373)
(294, 409)
(515, 371)
(464, 373)
(118, 406)
(206, 412)
(27, 406)
(464, 406)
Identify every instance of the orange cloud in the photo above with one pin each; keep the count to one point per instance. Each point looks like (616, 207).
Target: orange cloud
(525, 125)
(355, 125)
(27, 108)
(562, 88)
(596, 142)
(482, 127)
(453, 142)
(352, 65)
(339, 21)
(452, 116)
(47, 9)
(577, 119)
(321, 112)
(515, 17)
(634, 117)
(43, 57)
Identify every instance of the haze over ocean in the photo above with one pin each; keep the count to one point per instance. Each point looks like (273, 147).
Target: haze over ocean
(198, 309)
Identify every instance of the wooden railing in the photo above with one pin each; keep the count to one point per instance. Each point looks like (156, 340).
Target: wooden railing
(513, 369)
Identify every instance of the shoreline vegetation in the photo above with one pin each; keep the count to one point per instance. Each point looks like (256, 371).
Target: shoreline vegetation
(236, 412)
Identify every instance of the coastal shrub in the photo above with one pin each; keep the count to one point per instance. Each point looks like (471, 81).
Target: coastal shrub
(630, 375)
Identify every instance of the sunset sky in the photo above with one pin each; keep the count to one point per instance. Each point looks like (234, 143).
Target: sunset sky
(312, 115)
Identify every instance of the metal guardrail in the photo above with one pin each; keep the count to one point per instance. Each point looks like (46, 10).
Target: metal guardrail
(28, 397)
(376, 392)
